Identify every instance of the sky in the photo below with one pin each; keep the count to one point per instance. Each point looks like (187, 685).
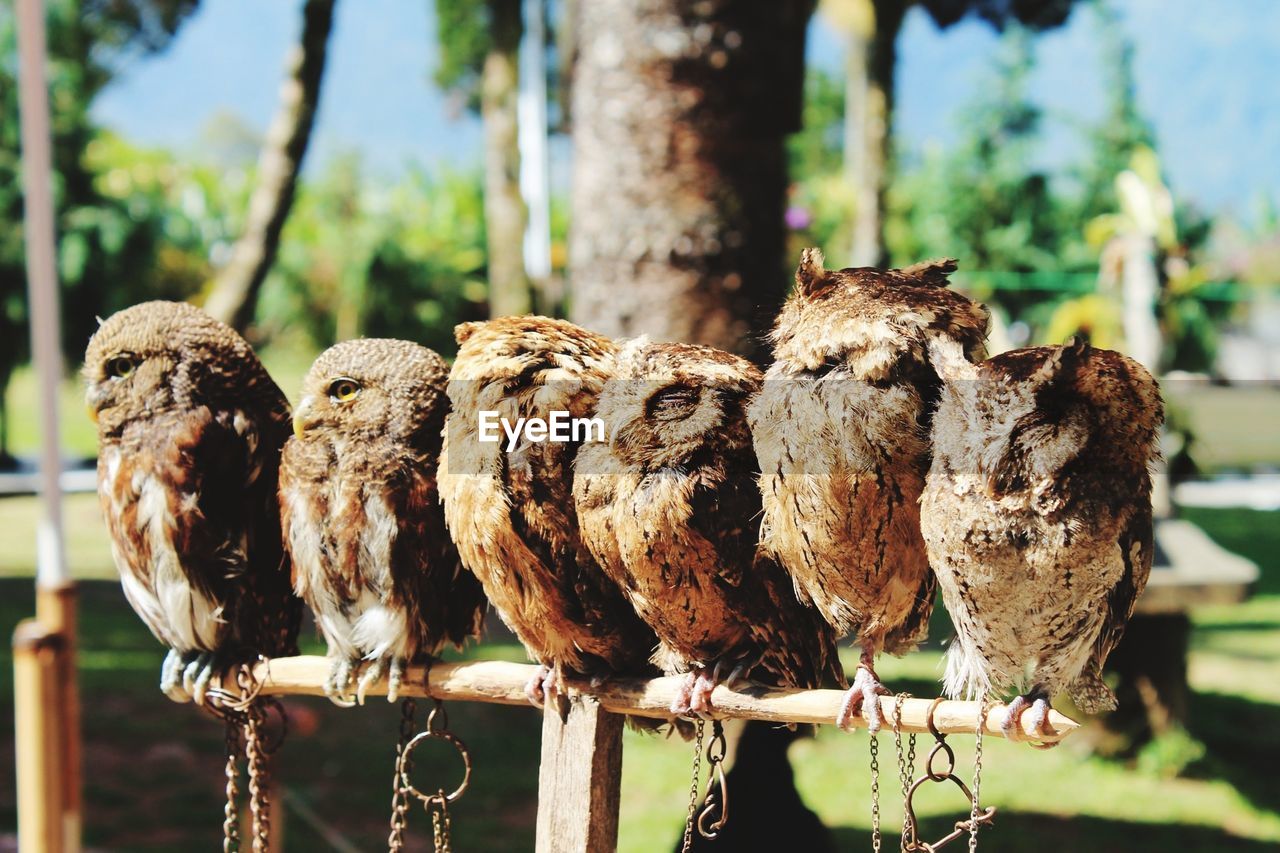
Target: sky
(1208, 77)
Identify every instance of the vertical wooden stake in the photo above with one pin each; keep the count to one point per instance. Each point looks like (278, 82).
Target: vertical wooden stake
(56, 611)
(580, 779)
(37, 735)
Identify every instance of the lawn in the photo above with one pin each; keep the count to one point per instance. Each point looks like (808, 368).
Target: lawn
(153, 770)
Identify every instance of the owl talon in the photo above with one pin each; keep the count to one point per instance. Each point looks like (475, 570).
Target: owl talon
(171, 677)
(395, 677)
(533, 688)
(338, 682)
(703, 686)
(201, 685)
(551, 687)
(680, 705)
(372, 673)
(1012, 724)
(863, 695)
(194, 668)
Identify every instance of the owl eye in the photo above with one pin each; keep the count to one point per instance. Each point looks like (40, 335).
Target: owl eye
(343, 390)
(121, 366)
(673, 402)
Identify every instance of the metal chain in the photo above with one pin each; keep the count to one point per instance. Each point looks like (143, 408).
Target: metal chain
(974, 809)
(687, 843)
(231, 811)
(716, 785)
(440, 823)
(875, 793)
(259, 779)
(906, 764)
(399, 792)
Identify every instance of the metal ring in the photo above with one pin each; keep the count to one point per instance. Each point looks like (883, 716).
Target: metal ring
(438, 796)
(933, 729)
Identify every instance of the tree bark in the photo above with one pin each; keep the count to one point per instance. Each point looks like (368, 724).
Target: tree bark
(870, 66)
(235, 291)
(504, 212)
(681, 110)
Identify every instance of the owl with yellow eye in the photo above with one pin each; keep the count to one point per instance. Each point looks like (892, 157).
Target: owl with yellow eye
(362, 519)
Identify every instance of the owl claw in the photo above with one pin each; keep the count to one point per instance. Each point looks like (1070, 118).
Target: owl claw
(551, 687)
(171, 677)
(1039, 705)
(533, 688)
(338, 681)
(195, 674)
(201, 684)
(703, 686)
(864, 694)
(368, 678)
(395, 676)
(684, 695)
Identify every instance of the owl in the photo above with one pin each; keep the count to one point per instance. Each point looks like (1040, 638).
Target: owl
(1037, 517)
(190, 428)
(841, 431)
(670, 509)
(362, 518)
(509, 504)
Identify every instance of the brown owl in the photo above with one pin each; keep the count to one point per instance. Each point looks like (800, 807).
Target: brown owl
(1037, 516)
(190, 428)
(362, 517)
(509, 504)
(841, 430)
(670, 508)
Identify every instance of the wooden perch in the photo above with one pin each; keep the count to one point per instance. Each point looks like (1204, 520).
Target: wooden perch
(502, 683)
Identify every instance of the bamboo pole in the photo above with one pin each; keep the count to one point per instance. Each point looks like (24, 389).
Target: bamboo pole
(499, 682)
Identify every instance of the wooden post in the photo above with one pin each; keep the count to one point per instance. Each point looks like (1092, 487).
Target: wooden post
(56, 612)
(580, 779)
(37, 731)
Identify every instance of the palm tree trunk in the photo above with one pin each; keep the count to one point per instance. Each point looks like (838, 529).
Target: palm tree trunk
(680, 112)
(504, 212)
(235, 291)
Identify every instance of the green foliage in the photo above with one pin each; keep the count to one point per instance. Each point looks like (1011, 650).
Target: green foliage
(462, 29)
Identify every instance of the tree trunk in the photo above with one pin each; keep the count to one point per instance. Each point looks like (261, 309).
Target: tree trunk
(235, 292)
(680, 113)
(873, 33)
(504, 212)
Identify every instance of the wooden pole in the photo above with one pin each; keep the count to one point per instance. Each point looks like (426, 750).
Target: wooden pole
(36, 652)
(579, 779)
(56, 612)
(503, 683)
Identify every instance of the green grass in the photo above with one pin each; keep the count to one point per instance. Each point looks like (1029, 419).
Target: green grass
(153, 769)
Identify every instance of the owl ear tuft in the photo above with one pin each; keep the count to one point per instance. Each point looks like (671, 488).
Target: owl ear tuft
(462, 331)
(933, 272)
(810, 273)
(1064, 361)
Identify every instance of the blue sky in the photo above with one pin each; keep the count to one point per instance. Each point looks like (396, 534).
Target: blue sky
(1208, 77)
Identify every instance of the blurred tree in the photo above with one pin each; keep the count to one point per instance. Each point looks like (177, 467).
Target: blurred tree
(234, 295)
(680, 113)
(479, 58)
(101, 247)
(872, 27)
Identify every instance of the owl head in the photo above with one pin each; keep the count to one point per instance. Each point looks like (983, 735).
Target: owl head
(869, 321)
(373, 388)
(675, 404)
(160, 357)
(528, 350)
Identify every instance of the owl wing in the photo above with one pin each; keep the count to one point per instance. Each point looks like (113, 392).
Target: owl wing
(221, 471)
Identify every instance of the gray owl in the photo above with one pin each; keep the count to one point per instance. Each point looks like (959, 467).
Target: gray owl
(670, 508)
(362, 517)
(1037, 516)
(841, 430)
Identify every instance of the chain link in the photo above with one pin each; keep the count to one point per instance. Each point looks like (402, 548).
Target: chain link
(974, 809)
(259, 779)
(399, 792)
(687, 843)
(906, 764)
(874, 741)
(231, 811)
(440, 823)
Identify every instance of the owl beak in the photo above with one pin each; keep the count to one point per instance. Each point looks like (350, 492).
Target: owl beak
(302, 416)
(93, 400)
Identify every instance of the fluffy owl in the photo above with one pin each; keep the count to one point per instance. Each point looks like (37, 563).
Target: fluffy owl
(670, 508)
(511, 512)
(362, 517)
(190, 428)
(841, 434)
(1037, 516)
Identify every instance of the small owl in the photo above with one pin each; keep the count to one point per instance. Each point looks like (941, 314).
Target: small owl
(841, 430)
(190, 428)
(1037, 516)
(362, 517)
(511, 511)
(670, 508)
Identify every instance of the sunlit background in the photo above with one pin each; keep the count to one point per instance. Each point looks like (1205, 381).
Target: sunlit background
(1052, 159)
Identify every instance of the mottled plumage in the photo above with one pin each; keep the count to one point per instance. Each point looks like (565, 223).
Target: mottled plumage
(670, 508)
(1037, 516)
(362, 517)
(190, 428)
(841, 433)
(511, 514)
